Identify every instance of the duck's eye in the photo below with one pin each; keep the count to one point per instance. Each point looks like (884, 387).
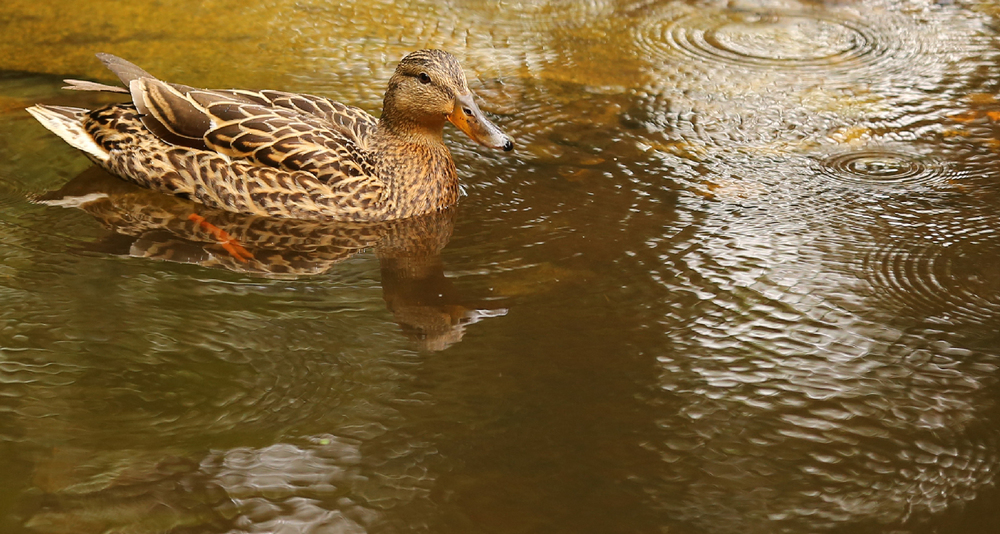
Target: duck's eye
(424, 77)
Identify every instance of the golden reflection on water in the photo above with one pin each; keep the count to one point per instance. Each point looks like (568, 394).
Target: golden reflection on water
(739, 274)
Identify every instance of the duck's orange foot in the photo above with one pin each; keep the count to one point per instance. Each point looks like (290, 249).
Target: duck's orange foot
(231, 245)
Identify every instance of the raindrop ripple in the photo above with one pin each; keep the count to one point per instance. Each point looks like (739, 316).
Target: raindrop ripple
(876, 166)
(951, 281)
(791, 41)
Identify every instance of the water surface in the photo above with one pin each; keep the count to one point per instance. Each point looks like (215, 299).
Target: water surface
(739, 275)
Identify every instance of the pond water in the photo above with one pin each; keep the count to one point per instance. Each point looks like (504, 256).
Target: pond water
(740, 274)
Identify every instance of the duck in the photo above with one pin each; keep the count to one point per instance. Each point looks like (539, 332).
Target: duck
(280, 154)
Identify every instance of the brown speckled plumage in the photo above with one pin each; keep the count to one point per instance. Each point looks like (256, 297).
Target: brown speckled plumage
(281, 154)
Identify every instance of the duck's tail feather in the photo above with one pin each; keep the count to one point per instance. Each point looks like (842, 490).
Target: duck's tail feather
(82, 85)
(67, 123)
(125, 70)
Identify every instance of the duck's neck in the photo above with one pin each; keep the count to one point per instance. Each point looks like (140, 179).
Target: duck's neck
(417, 166)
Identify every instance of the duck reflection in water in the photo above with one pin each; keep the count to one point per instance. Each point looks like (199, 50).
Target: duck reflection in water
(148, 224)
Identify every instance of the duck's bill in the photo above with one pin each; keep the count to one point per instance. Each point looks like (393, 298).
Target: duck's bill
(468, 118)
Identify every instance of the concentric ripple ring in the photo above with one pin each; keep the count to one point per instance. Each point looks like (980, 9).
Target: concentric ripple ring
(877, 166)
(776, 40)
(957, 283)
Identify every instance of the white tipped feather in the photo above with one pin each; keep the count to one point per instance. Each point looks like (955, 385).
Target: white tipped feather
(82, 85)
(67, 123)
(74, 202)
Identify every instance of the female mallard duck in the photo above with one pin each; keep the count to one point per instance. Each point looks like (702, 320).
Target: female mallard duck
(282, 154)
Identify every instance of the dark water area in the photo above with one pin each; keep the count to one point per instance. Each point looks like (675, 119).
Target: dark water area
(740, 274)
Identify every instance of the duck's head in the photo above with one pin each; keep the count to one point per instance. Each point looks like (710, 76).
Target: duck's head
(429, 88)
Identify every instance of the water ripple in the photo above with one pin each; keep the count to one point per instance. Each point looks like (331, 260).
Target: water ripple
(950, 276)
(790, 41)
(876, 166)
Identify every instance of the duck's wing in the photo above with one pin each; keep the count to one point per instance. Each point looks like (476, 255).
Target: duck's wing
(349, 120)
(354, 123)
(271, 128)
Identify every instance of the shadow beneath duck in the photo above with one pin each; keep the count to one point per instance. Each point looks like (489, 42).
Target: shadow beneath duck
(147, 224)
